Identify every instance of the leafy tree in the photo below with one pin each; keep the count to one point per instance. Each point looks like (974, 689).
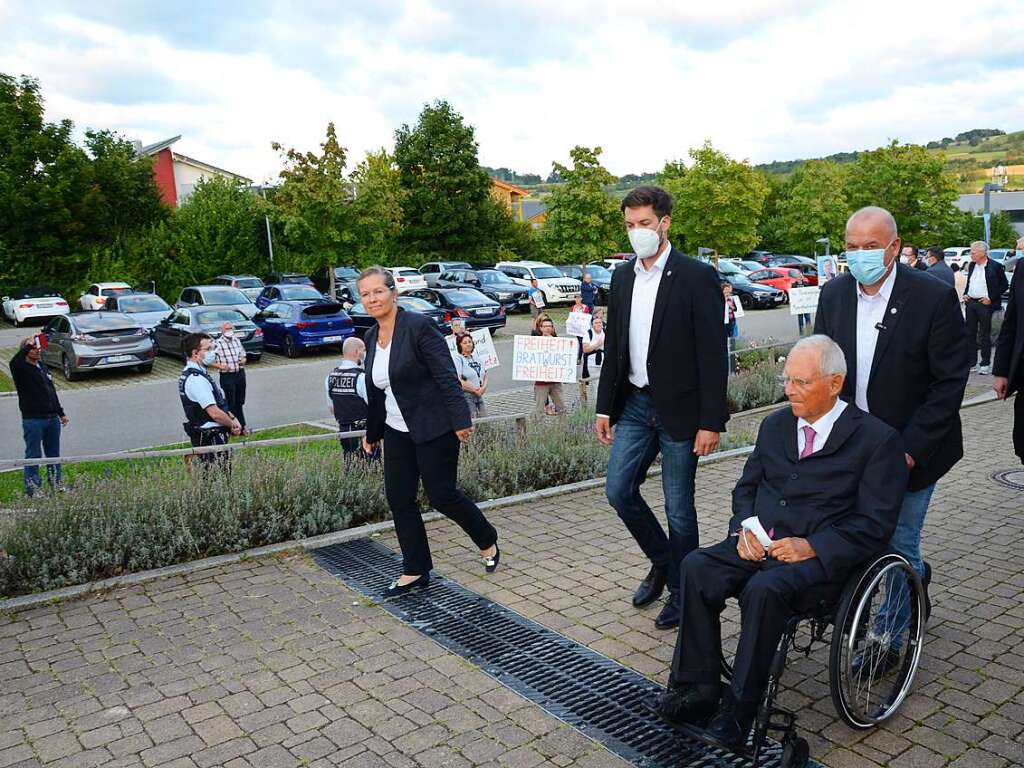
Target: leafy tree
(377, 210)
(812, 204)
(671, 180)
(964, 227)
(719, 202)
(583, 221)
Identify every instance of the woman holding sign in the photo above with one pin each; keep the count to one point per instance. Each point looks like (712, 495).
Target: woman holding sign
(471, 374)
(542, 390)
(417, 408)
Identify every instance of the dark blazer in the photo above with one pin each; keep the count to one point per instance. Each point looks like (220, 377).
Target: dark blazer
(1010, 344)
(919, 369)
(941, 270)
(687, 363)
(845, 499)
(995, 280)
(423, 379)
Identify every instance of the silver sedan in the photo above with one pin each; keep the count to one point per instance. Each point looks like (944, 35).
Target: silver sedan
(95, 341)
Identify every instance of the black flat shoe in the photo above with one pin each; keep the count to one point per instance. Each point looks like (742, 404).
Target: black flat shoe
(397, 590)
(651, 587)
(692, 704)
(491, 563)
(729, 727)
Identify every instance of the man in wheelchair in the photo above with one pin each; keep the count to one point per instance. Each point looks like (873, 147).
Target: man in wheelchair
(822, 490)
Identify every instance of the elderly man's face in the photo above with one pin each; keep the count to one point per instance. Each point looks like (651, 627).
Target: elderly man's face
(978, 253)
(811, 395)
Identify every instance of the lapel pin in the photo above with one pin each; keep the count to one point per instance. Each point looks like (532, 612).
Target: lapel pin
(669, 273)
(892, 311)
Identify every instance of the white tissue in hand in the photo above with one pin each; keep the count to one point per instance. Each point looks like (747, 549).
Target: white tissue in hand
(753, 525)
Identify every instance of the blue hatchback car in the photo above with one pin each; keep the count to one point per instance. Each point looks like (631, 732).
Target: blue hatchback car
(295, 326)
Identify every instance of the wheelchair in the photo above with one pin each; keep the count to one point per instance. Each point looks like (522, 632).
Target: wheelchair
(873, 654)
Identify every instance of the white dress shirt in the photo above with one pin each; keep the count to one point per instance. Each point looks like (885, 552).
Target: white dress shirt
(822, 428)
(382, 380)
(641, 316)
(977, 287)
(870, 312)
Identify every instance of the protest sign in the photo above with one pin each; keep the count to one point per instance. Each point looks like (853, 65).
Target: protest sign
(578, 323)
(485, 351)
(544, 358)
(827, 269)
(803, 300)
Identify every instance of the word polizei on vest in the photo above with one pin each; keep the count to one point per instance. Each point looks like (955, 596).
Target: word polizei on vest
(350, 409)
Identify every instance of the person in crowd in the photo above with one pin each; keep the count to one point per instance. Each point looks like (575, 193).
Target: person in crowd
(458, 326)
(545, 390)
(662, 388)
(588, 292)
(986, 283)
(910, 257)
(1008, 368)
(731, 327)
(346, 393)
(593, 347)
(230, 362)
(471, 374)
(937, 266)
(42, 416)
(417, 410)
(839, 514)
(538, 320)
(903, 337)
(536, 295)
(208, 418)
(578, 305)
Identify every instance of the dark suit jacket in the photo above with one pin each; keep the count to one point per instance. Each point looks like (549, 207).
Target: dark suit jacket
(1010, 344)
(687, 362)
(995, 279)
(941, 270)
(423, 379)
(845, 499)
(919, 370)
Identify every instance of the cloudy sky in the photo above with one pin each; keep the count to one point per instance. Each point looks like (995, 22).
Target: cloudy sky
(763, 79)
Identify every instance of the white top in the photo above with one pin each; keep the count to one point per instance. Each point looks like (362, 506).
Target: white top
(382, 380)
(977, 288)
(596, 341)
(469, 370)
(870, 312)
(822, 428)
(641, 317)
(360, 382)
(199, 390)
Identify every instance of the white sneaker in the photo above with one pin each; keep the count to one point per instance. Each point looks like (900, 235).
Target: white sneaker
(985, 370)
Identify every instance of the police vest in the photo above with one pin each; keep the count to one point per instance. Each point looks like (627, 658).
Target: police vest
(349, 407)
(194, 412)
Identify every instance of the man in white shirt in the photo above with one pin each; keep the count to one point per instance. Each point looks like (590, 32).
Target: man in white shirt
(986, 283)
(208, 421)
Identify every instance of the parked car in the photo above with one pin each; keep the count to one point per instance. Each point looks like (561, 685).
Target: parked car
(295, 326)
(759, 257)
(809, 271)
(146, 309)
(288, 292)
(216, 296)
(38, 302)
(754, 295)
(491, 283)
(555, 287)
(407, 279)
(475, 309)
(784, 260)
(957, 254)
(363, 321)
(338, 283)
(779, 277)
(247, 284)
(728, 267)
(611, 264)
(96, 341)
(289, 278)
(170, 332)
(1000, 255)
(433, 270)
(600, 276)
(96, 297)
(746, 266)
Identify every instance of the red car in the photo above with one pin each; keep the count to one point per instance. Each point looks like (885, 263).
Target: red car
(782, 278)
(809, 272)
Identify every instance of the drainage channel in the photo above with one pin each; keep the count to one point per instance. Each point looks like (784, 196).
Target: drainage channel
(592, 693)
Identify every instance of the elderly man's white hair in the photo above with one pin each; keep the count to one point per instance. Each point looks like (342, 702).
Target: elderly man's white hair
(352, 347)
(831, 360)
(875, 212)
(980, 245)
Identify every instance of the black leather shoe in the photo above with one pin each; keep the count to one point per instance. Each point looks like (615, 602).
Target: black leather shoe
(693, 703)
(651, 587)
(397, 590)
(491, 563)
(926, 581)
(669, 616)
(730, 726)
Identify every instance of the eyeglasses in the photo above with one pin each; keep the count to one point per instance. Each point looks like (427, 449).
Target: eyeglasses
(797, 382)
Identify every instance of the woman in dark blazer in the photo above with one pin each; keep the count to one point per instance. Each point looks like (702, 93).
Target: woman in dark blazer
(417, 408)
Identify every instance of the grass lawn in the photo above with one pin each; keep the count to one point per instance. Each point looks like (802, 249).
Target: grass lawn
(6, 385)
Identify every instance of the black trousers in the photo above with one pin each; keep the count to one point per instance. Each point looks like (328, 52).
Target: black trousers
(1018, 424)
(233, 385)
(436, 462)
(769, 593)
(979, 321)
(212, 436)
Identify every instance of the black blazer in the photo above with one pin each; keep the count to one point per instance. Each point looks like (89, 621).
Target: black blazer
(422, 377)
(1010, 344)
(919, 370)
(845, 499)
(687, 363)
(995, 281)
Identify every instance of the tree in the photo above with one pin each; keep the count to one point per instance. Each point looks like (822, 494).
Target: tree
(671, 180)
(812, 204)
(964, 227)
(377, 209)
(445, 192)
(583, 221)
(719, 202)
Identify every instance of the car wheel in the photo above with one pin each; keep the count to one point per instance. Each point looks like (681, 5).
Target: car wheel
(17, 322)
(745, 301)
(66, 369)
(146, 368)
(253, 358)
(290, 348)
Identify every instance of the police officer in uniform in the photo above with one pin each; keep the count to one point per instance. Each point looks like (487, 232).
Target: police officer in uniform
(346, 393)
(206, 410)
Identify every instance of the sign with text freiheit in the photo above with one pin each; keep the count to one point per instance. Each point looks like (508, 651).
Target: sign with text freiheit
(544, 358)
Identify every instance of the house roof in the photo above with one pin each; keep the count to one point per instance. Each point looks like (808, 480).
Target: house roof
(504, 185)
(207, 167)
(532, 208)
(152, 149)
(998, 201)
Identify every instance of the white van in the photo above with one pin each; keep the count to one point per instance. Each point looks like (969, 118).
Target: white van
(556, 287)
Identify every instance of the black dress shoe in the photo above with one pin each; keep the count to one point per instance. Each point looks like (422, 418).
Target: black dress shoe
(693, 703)
(651, 587)
(491, 563)
(397, 590)
(669, 616)
(730, 726)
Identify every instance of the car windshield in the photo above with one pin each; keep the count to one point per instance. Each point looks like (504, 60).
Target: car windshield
(38, 292)
(359, 309)
(102, 321)
(407, 273)
(546, 273)
(217, 316)
(300, 293)
(296, 279)
(114, 291)
(248, 282)
(409, 302)
(467, 297)
(344, 273)
(132, 304)
(727, 267)
(598, 273)
(491, 276)
(224, 296)
(737, 279)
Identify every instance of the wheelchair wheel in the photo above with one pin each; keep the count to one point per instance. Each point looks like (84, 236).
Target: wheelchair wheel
(876, 643)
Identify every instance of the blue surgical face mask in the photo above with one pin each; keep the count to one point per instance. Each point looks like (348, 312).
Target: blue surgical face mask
(868, 266)
(209, 357)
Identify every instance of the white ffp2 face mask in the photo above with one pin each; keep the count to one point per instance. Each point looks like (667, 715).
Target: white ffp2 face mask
(645, 242)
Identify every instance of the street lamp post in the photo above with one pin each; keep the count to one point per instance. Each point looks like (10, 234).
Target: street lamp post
(990, 186)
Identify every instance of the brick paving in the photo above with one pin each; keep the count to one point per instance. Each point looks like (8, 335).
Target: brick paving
(273, 662)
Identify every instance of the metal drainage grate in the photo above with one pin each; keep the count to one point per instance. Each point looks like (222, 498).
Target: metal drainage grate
(1011, 478)
(590, 692)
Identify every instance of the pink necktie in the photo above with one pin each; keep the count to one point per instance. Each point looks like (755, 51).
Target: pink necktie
(808, 442)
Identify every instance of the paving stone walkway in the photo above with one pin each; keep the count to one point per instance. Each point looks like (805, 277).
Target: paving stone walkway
(275, 663)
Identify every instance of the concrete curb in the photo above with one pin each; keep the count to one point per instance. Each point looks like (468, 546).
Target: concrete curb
(25, 602)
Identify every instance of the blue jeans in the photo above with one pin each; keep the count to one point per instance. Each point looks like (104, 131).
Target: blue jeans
(907, 541)
(638, 440)
(41, 435)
